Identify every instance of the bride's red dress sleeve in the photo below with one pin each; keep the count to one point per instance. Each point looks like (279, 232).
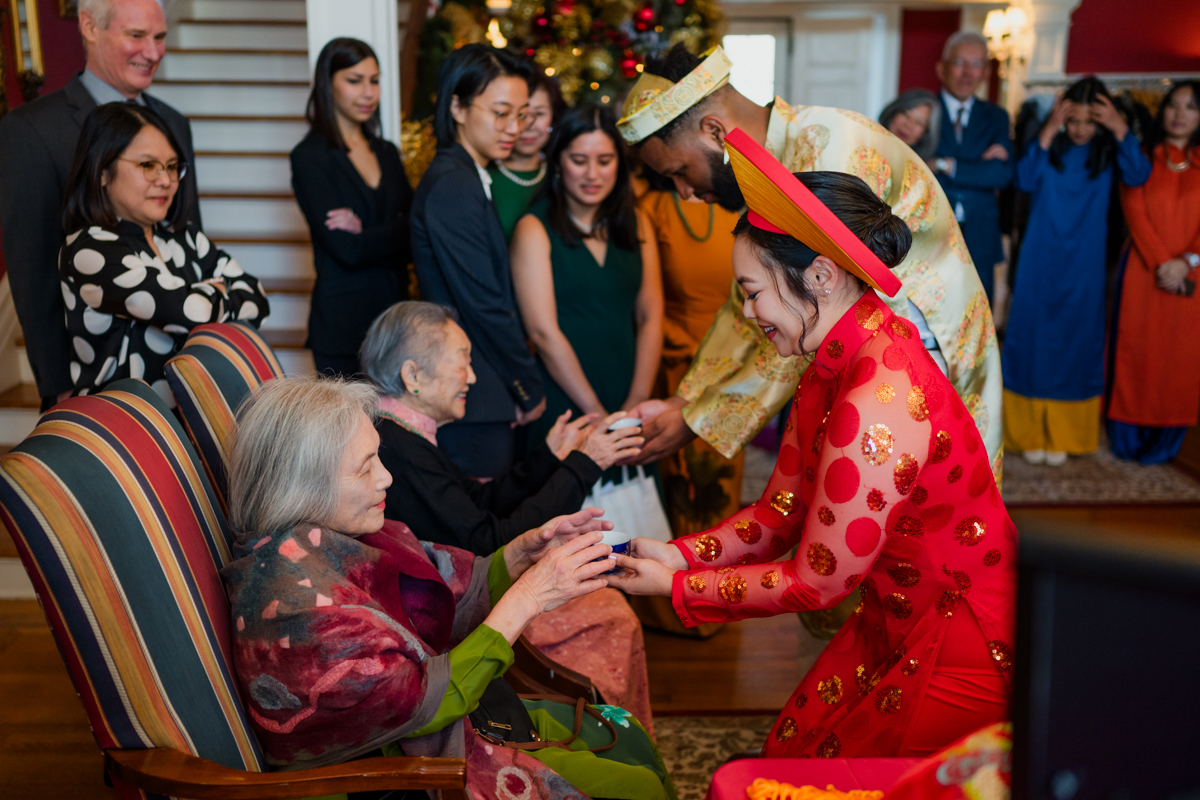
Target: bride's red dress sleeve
(849, 456)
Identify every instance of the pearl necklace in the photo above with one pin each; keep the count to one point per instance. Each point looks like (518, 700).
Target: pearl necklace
(526, 182)
(587, 229)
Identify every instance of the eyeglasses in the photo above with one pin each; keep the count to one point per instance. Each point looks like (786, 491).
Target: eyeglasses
(962, 63)
(153, 169)
(505, 118)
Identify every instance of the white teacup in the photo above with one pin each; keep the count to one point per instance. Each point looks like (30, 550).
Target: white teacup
(625, 422)
(619, 542)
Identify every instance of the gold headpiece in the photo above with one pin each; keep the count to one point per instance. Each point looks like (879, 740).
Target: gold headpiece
(654, 101)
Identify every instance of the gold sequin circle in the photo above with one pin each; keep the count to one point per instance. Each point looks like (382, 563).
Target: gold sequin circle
(749, 558)
(708, 548)
(905, 474)
(1002, 654)
(898, 605)
(945, 604)
(970, 531)
(904, 575)
(732, 589)
(835, 349)
(830, 690)
(786, 730)
(877, 444)
(697, 583)
(748, 530)
(769, 580)
(910, 667)
(868, 316)
(825, 515)
(900, 329)
(829, 747)
(888, 699)
(917, 408)
(783, 502)
(821, 559)
(884, 393)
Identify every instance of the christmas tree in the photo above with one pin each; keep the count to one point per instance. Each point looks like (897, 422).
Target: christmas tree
(596, 48)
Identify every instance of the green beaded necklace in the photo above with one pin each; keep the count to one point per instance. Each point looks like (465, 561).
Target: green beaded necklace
(686, 226)
(403, 423)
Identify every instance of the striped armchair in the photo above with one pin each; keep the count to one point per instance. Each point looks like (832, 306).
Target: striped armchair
(218, 366)
(121, 537)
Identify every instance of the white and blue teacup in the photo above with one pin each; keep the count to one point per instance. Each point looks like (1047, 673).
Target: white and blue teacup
(619, 542)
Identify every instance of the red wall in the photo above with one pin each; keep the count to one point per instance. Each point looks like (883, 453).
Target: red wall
(1123, 36)
(62, 56)
(923, 33)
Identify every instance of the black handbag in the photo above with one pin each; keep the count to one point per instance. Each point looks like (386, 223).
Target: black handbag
(501, 718)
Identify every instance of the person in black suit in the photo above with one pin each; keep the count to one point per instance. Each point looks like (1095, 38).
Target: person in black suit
(125, 42)
(461, 257)
(354, 193)
(973, 160)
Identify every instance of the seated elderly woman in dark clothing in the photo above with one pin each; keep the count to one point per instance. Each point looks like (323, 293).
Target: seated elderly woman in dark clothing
(421, 360)
(350, 635)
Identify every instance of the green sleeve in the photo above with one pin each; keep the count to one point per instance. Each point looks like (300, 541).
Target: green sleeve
(498, 579)
(474, 663)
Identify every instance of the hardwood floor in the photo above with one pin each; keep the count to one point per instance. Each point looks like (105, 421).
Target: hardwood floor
(47, 750)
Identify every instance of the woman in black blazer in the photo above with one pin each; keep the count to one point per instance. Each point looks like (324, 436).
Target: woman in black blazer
(353, 192)
(461, 257)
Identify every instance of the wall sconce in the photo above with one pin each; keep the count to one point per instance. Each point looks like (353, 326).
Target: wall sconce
(27, 46)
(1006, 33)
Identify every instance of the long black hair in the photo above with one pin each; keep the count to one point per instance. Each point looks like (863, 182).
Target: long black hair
(1102, 150)
(851, 201)
(107, 133)
(616, 219)
(1157, 134)
(337, 55)
(465, 74)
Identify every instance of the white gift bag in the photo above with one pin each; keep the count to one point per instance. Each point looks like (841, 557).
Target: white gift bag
(632, 506)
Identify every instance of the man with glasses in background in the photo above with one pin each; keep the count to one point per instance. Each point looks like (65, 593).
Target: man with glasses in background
(125, 41)
(973, 159)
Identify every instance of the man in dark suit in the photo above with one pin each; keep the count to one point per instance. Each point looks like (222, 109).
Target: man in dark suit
(125, 41)
(973, 160)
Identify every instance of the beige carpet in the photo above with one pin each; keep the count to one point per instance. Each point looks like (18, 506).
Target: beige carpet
(1096, 479)
(693, 747)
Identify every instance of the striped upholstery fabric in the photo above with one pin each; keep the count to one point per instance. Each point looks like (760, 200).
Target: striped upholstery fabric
(119, 532)
(218, 366)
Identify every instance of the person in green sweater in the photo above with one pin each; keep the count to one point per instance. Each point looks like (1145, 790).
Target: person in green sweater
(518, 180)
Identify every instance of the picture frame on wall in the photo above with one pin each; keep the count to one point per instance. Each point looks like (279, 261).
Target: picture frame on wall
(68, 9)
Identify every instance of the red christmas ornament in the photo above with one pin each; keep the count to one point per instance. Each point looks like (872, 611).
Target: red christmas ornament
(629, 67)
(644, 14)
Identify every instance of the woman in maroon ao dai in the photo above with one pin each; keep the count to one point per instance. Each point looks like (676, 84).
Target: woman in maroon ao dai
(883, 483)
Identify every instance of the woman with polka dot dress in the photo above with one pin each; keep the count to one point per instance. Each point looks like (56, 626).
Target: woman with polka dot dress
(882, 484)
(136, 276)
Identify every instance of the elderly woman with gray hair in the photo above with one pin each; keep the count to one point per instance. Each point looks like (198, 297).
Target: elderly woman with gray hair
(351, 636)
(915, 117)
(420, 358)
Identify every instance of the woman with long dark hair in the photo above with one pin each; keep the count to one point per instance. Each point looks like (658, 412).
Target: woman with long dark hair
(461, 256)
(1155, 392)
(882, 483)
(356, 198)
(1053, 357)
(137, 276)
(585, 266)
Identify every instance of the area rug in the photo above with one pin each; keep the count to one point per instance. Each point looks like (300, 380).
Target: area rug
(693, 747)
(1096, 479)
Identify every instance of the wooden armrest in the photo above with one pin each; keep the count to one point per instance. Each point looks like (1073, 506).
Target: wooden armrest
(171, 772)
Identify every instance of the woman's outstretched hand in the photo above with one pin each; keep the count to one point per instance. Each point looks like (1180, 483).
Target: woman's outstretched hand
(566, 436)
(565, 572)
(532, 546)
(664, 553)
(607, 447)
(642, 576)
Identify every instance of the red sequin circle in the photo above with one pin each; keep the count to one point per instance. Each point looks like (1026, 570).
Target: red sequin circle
(708, 548)
(862, 536)
(825, 515)
(970, 531)
(939, 447)
(821, 559)
(919, 495)
(875, 500)
(841, 480)
(898, 605)
(748, 530)
(829, 747)
(956, 472)
(905, 474)
(904, 575)
(835, 349)
(991, 558)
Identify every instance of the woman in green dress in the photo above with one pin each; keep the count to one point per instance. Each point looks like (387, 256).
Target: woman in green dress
(585, 269)
(518, 180)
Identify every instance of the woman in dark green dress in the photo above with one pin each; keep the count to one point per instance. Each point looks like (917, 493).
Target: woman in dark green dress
(585, 269)
(518, 180)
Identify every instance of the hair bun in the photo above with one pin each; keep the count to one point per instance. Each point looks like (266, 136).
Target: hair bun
(889, 238)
